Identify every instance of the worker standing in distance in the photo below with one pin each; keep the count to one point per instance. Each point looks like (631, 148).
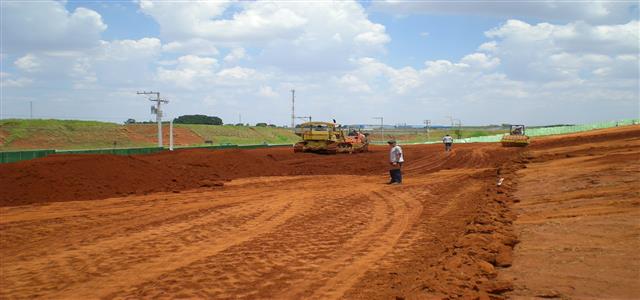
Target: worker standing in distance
(448, 142)
(395, 159)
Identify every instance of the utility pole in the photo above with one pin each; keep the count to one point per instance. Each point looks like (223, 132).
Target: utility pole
(156, 110)
(381, 127)
(239, 118)
(293, 109)
(30, 109)
(427, 124)
(459, 131)
(170, 135)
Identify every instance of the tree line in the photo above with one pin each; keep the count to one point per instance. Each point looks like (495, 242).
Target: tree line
(200, 119)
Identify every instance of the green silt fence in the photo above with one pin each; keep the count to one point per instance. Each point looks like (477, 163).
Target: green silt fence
(544, 131)
(122, 151)
(7, 157)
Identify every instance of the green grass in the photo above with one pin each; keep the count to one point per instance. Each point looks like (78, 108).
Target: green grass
(18, 134)
(243, 135)
(61, 134)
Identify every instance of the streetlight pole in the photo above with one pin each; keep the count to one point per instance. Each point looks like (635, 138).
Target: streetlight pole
(381, 127)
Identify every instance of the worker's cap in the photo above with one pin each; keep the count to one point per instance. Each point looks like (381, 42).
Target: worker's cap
(391, 141)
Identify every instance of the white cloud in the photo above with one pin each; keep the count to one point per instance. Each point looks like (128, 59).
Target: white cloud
(557, 52)
(235, 55)
(236, 73)
(129, 50)
(489, 47)
(267, 91)
(553, 10)
(8, 81)
(480, 60)
(47, 26)
(577, 37)
(194, 46)
(354, 84)
(306, 36)
(189, 72)
(203, 19)
(28, 63)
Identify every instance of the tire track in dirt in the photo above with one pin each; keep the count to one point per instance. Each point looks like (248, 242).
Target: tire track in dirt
(289, 253)
(377, 244)
(148, 250)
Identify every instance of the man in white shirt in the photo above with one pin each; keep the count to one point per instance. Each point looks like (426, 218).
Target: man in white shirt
(448, 142)
(396, 158)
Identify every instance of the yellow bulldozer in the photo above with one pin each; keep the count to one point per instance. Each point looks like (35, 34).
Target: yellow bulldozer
(329, 138)
(516, 137)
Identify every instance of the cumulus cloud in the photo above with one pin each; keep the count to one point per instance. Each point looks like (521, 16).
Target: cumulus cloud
(28, 63)
(314, 35)
(8, 81)
(235, 55)
(194, 46)
(189, 72)
(547, 51)
(598, 12)
(47, 26)
(260, 21)
(267, 91)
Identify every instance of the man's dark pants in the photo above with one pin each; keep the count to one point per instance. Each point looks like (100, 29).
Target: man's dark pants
(447, 146)
(396, 173)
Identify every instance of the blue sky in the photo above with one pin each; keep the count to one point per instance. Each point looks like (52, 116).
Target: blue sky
(481, 62)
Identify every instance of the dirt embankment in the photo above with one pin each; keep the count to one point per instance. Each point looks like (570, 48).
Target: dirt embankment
(578, 207)
(83, 177)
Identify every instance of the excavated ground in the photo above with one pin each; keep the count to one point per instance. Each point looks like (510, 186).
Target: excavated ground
(267, 223)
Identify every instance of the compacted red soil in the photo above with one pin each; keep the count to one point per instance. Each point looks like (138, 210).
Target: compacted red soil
(268, 223)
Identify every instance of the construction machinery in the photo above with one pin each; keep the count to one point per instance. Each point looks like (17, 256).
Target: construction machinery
(329, 138)
(516, 137)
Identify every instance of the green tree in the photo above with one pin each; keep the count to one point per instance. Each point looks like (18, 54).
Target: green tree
(198, 119)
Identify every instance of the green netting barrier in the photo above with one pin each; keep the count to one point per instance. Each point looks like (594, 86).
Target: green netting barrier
(119, 151)
(543, 131)
(8, 157)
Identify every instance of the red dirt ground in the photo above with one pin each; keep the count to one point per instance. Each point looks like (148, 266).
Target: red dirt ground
(159, 226)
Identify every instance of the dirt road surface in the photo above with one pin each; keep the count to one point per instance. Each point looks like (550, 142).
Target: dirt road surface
(269, 224)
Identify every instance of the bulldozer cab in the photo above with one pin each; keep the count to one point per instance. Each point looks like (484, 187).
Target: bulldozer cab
(516, 137)
(517, 130)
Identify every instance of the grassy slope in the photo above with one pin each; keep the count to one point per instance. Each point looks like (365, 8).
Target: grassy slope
(62, 134)
(71, 134)
(243, 135)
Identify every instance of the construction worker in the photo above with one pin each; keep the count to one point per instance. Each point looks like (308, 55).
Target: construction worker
(448, 142)
(395, 159)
